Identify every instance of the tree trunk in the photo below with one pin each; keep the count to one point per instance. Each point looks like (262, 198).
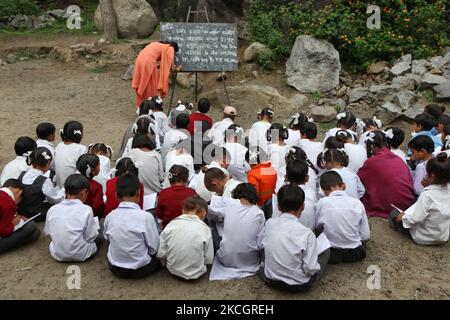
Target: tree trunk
(110, 32)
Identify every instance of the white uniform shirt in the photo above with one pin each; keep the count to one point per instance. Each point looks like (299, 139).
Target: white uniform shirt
(281, 176)
(50, 146)
(227, 193)
(162, 124)
(217, 131)
(151, 171)
(198, 182)
(294, 137)
(332, 133)
(171, 139)
(258, 135)
(187, 247)
(105, 171)
(429, 221)
(173, 158)
(52, 194)
(132, 235)
(14, 168)
(73, 230)
(290, 250)
(419, 174)
(343, 220)
(311, 148)
(66, 157)
(239, 252)
(399, 153)
(353, 185)
(278, 155)
(357, 155)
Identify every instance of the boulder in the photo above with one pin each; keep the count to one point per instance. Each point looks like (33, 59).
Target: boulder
(314, 65)
(358, 94)
(299, 101)
(21, 21)
(415, 109)
(420, 67)
(375, 88)
(430, 80)
(439, 61)
(135, 18)
(437, 72)
(409, 81)
(187, 80)
(402, 65)
(405, 99)
(322, 114)
(388, 112)
(340, 104)
(342, 91)
(377, 68)
(442, 91)
(252, 53)
(11, 58)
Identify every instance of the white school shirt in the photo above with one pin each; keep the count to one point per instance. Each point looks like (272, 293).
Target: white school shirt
(14, 168)
(73, 230)
(199, 182)
(187, 247)
(66, 157)
(419, 174)
(343, 220)
(238, 167)
(50, 146)
(290, 250)
(132, 235)
(258, 135)
(171, 139)
(239, 252)
(294, 137)
(353, 185)
(151, 171)
(227, 193)
(217, 132)
(399, 153)
(429, 222)
(311, 148)
(363, 138)
(52, 194)
(277, 155)
(311, 184)
(185, 159)
(332, 133)
(162, 124)
(357, 155)
(105, 171)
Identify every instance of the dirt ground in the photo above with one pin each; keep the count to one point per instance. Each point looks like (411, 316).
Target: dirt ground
(45, 90)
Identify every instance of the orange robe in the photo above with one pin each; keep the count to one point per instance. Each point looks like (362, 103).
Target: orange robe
(147, 81)
(264, 178)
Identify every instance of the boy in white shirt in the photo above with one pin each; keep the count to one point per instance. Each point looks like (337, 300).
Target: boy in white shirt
(23, 148)
(132, 234)
(342, 219)
(186, 245)
(45, 133)
(422, 148)
(292, 261)
(71, 224)
(217, 131)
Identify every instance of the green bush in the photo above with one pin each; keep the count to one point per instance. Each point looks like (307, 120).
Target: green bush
(13, 7)
(418, 27)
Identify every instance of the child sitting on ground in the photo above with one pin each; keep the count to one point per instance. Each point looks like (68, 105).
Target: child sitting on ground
(23, 148)
(175, 135)
(258, 132)
(45, 133)
(132, 233)
(428, 220)
(162, 121)
(89, 166)
(343, 219)
(308, 142)
(71, 224)
(423, 126)
(295, 129)
(181, 107)
(345, 121)
(365, 126)
(234, 144)
(292, 261)
(104, 153)
(239, 252)
(422, 148)
(395, 137)
(179, 155)
(278, 149)
(186, 245)
(357, 154)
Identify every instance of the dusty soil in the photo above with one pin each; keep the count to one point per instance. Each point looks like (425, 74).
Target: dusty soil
(45, 90)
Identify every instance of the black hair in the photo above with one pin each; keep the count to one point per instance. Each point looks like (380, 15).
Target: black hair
(76, 183)
(178, 174)
(309, 130)
(24, 146)
(348, 121)
(422, 142)
(146, 106)
(299, 121)
(330, 179)
(173, 44)
(297, 171)
(297, 153)
(143, 125)
(377, 139)
(13, 183)
(333, 143)
(290, 198)
(196, 204)
(336, 155)
(343, 135)
(397, 140)
(44, 130)
(277, 129)
(158, 103)
(100, 147)
(426, 121)
(72, 132)
(245, 191)
(434, 110)
(443, 119)
(256, 155)
(213, 174)
(204, 105)
(86, 163)
(266, 112)
(439, 167)
(236, 130)
(182, 121)
(124, 166)
(142, 141)
(128, 185)
(40, 157)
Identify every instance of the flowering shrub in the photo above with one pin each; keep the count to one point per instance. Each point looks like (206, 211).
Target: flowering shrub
(419, 27)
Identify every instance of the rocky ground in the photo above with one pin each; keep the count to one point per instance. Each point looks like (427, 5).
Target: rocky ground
(44, 89)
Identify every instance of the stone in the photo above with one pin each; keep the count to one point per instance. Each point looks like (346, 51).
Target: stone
(437, 72)
(416, 109)
(342, 91)
(358, 94)
(378, 87)
(313, 65)
(402, 66)
(340, 104)
(2, 63)
(430, 80)
(299, 101)
(135, 18)
(63, 54)
(409, 81)
(11, 58)
(322, 114)
(420, 67)
(255, 74)
(442, 91)
(128, 75)
(58, 13)
(377, 68)
(346, 80)
(252, 53)
(21, 21)
(439, 61)
(388, 112)
(405, 99)
(187, 80)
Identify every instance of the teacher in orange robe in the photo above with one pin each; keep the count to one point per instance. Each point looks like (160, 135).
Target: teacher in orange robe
(147, 80)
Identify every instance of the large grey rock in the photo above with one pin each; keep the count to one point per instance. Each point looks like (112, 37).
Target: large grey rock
(135, 18)
(299, 101)
(377, 68)
(442, 91)
(405, 99)
(11, 58)
(409, 81)
(253, 51)
(430, 80)
(415, 109)
(388, 112)
(439, 61)
(375, 88)
(314, 65)
(357, 94)
(322, 114)
(402, 66)
(420, 67)
(21, 21)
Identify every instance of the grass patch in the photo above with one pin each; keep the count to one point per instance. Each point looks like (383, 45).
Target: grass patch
(23, 54)
(428, 95)
(99, 69)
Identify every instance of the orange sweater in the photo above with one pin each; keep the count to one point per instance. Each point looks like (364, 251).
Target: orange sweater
(264, 178)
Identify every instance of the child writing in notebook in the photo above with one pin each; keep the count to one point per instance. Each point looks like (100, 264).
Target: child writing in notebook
(428, 221)
(422, 148)
(278, 149)
(104, 153)
(23, 148)
(89, 166)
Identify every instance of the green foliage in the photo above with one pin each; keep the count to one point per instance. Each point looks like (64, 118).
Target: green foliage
(13, 7)
(317, 95)
(418, 27)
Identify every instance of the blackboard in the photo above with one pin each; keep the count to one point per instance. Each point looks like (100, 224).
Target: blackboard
(203, 46)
